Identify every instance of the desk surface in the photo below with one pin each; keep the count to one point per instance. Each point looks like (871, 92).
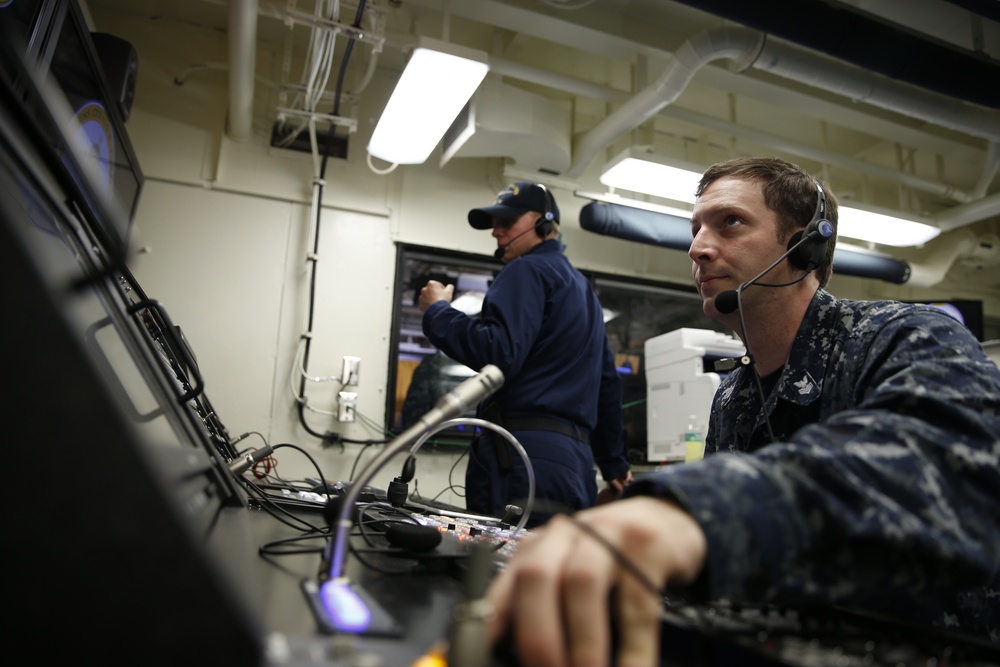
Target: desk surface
(422, 601)
(421, 598)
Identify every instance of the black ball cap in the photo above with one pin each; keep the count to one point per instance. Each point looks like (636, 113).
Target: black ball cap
(515, 199)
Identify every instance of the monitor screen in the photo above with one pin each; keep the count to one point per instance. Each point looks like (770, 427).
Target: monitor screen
(967, 311)
(57, 51)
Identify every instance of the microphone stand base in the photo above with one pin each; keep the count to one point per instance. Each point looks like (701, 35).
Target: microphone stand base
(341, 607)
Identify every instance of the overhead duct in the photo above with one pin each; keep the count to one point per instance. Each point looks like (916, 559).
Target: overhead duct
(242, 59)
(959, 216)
(703, 48)
(933, 269)
(868, 41)
(674, 232)
(504, 121)
(787, 61)
(748, 48)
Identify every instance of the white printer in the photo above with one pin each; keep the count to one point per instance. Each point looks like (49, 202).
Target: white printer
(680, 385)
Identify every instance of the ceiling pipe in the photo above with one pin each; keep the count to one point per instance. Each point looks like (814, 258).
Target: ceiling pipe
(569, 34)
(579, 87)
(935, 267)
(750, 48)
(242, 67)
(991, 164)
(868, 41)
(860, 85)
(574, 86)
(946, 190)
(737, 44)
(959, 216)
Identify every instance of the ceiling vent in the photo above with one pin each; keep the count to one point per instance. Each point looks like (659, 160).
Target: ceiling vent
(504, 121)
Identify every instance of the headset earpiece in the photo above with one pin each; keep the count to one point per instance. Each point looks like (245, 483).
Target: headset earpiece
(544, 224)
(813, 252)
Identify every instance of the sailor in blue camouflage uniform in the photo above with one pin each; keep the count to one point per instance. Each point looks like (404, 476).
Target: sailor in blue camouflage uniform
(873, 482)
(543, 326)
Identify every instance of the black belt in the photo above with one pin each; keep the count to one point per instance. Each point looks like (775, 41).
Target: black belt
(546, 424)
(493, 414)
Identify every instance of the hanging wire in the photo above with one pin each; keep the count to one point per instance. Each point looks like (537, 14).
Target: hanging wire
(318, 191)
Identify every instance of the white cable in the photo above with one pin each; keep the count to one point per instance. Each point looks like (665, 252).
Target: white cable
(473, 421)
(372, 62)
(380, 172)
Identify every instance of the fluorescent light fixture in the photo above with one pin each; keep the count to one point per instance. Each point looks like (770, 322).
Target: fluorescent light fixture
(886, 228)
(436, 84)
(637, 171)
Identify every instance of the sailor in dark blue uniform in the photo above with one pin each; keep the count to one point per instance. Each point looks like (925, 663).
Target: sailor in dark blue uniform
(543, 326)
(853, 463)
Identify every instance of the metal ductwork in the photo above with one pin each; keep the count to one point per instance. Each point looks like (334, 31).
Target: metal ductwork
(242, 67)
(855, 36)
(674, 232)
(749, 48)
(737, 44)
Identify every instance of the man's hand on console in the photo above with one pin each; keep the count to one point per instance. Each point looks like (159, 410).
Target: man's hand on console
(552, 598)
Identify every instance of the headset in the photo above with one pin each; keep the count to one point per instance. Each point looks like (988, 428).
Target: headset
(812, 253)
(545, 223)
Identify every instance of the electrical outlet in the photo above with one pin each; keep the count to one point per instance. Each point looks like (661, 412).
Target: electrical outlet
(346, 402)
(350, 372)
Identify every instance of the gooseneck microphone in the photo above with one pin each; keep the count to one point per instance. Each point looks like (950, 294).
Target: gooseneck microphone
(454, 403)
(818, 230)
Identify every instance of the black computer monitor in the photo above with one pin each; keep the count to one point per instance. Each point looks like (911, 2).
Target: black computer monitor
(54, 46)
(967, 311)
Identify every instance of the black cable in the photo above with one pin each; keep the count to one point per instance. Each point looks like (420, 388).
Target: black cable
(319, 210)
(753, 363)
(277, 547)
(451, 471)
(266, 503)
(383, 522)
(376, 549)
(622, 559)
(746, 341)
(244, 436)
(357, 460)
(306, 454)
(368, 441)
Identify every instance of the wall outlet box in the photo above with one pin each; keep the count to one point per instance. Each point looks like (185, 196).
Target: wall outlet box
(350, 373)
(346, 403)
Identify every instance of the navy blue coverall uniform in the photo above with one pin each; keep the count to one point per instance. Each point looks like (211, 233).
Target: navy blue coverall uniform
(543, 326)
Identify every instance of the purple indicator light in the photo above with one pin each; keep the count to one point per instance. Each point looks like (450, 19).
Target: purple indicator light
(347, 611)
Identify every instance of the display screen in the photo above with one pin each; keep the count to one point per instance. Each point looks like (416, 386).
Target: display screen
(968, 312)
(56, 51)
(97, 125)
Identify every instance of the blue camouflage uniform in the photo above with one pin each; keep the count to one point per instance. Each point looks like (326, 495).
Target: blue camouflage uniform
(543, 326)
(882, 488)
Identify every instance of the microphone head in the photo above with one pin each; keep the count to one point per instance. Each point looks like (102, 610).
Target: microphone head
(727, 301)
(498, 253)
(412, 537)
(331, 510)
